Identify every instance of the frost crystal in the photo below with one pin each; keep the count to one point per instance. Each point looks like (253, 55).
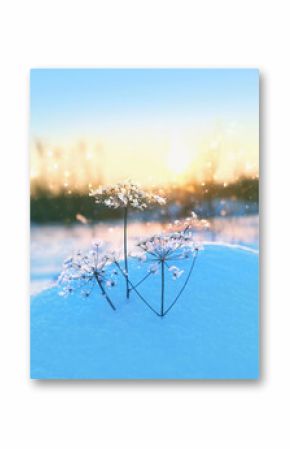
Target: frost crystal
(85, 271)
(190, 223)
(126, 194)
(167, 248)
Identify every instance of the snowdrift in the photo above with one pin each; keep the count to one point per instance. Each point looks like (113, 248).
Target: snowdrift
(211, 333)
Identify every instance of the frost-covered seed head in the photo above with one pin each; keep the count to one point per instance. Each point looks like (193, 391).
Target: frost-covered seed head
(84, 270)
(165, 248)
(191, 223)
(126, 194)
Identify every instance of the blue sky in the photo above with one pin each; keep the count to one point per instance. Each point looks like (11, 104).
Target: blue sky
(151, 125)
(73, 103)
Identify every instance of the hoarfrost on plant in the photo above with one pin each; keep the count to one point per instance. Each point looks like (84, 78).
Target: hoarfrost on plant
(126, 194)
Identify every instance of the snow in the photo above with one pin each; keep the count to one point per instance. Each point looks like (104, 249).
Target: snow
(51, 244)
(211, 333)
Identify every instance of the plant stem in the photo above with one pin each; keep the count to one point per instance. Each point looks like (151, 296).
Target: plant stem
(142, 280)
(104, 293)
(136, 291)
(185, 284)
(162, 287)
(126, 251)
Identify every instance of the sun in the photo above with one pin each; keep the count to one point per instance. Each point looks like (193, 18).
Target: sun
(178, 158)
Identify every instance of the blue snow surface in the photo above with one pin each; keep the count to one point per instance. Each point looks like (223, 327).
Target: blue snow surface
(211, 333)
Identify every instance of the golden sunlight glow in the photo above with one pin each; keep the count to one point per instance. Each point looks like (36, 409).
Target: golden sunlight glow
(160, 159)
(178, 158)
(178, 161)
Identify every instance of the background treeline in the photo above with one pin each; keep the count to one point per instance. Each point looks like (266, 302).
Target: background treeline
(209, 200)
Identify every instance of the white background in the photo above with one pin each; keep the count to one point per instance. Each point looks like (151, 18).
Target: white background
(140, 414)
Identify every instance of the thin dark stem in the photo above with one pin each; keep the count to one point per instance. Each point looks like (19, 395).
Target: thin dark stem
(142, 280)
(104, 293)
(126, 251)
(162, 287)
(185, 284)
(136, 291)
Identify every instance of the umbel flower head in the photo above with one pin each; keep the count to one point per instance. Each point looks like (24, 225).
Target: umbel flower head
(85, 271)
(163, 252)
(189, 224)
(167, 248)
(126, 194)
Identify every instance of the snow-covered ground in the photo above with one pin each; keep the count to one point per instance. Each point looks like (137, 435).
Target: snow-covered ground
(211, 332)
(51, 244)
